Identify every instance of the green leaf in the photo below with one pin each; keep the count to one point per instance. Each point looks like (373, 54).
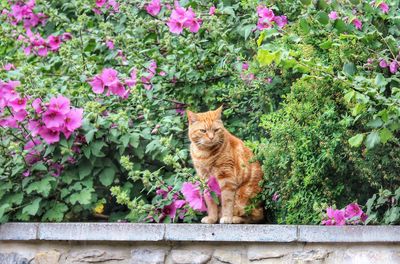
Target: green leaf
(83, 197)
(372, 140)
(55, 213)
(380, 80)
(348, 96)
(375, 123)
(322, 18)
(385, 135)
(214, 196)
(33, 208)
(304, 27)
(356, 140)
(96, 148)
(341, 26)
(134, 140)
(305, 2)
(89, 135)
(39, 166)
(42, 187)
(265, 57)
(106, 177)
(3, 210)
(85, 168)
(326, 44)
(349, 68)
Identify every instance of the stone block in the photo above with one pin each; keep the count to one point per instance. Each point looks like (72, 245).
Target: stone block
(48, 257)
(182, 256)
(228, 256)
(18, 231)
(93, 256)
(148, 256)
(12, 258)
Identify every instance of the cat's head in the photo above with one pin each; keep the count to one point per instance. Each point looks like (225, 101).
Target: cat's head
(206, 129)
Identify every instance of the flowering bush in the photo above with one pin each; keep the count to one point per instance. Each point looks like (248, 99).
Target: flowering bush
(92, 97)
(351, 215)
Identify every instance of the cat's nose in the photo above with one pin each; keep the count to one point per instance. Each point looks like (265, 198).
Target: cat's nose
(210, 135)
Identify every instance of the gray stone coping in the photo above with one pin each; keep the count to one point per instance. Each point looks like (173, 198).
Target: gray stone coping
(196, 232)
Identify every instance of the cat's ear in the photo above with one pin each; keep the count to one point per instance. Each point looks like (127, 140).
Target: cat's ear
(192, 117)
(218, 112)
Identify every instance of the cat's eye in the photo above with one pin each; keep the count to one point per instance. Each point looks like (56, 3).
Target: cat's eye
(202, 130)
(217, 129)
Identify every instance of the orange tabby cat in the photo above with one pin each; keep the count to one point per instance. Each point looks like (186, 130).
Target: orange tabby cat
(216, 152)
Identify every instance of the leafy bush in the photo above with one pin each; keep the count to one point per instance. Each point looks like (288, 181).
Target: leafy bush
(313, 98)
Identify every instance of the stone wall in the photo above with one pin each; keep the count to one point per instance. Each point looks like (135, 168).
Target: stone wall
(136, 243)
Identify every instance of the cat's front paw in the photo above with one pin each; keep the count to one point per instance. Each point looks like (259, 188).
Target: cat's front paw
(209, 220)
(226, 220)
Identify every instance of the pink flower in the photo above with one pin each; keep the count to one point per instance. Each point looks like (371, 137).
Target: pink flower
(193, 25)
(66, 36)
(154, 7)
(54, 42)
(266, 13)
(73, 120)
(393, 67)
(357, 23)
(42, 51)
(263, 24)
(53, 119)
(60, 104)
(132, 80)
(100, 3)
(20, 115)
(383, 63)
(275, 197)
(280, 21)
(175, 26)
(353, 210)
(37, 105)
(9, 67)
(110, 44)
(26, 173)
(34, 127)
(245, 66)
(118, 89)
(97, 85)
(193, 196)
(49, 135)
(18, 104)
(364, 217)
(384, 7)
(213, 186)
(170, 210)
(108, 76)
(212, 11)
(335, 217)
(333, 15)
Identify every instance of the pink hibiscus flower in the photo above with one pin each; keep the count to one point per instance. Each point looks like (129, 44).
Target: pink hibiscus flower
(73, 119)
(193, 196)
(154, 7)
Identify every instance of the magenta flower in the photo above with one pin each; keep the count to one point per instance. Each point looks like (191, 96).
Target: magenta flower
(383, 63)
(20, 115)
(53, 119)
(100, 3)
(18, 104)
(154, 7)
(66, 36)
(110, 44)
(393, 66)
(175, 26)
(108, 76)
(384, 7)
(34, 127)
(266, 13)
(213, 186)
(193, 196)
(333, 15)
(97, 85)
(9, 67)
(60, 104)
(37, 105)
(118, 89)
(211, 12)
(357, 23)
(280, 21)
(49, 135)
(353, 210)
(275, 197)
(263, 24)
(42, 51)
(335, 217)
(133, 79)
(54, 42)
(170, 210)
(73, 120)
(245, 66)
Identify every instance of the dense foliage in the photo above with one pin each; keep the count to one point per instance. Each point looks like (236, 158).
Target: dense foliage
(93, 93)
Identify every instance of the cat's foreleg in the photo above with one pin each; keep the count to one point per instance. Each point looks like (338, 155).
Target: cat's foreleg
(212, 211)
(228, 190)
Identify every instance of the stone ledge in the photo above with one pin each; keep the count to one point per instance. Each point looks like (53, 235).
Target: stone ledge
(197, 232)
